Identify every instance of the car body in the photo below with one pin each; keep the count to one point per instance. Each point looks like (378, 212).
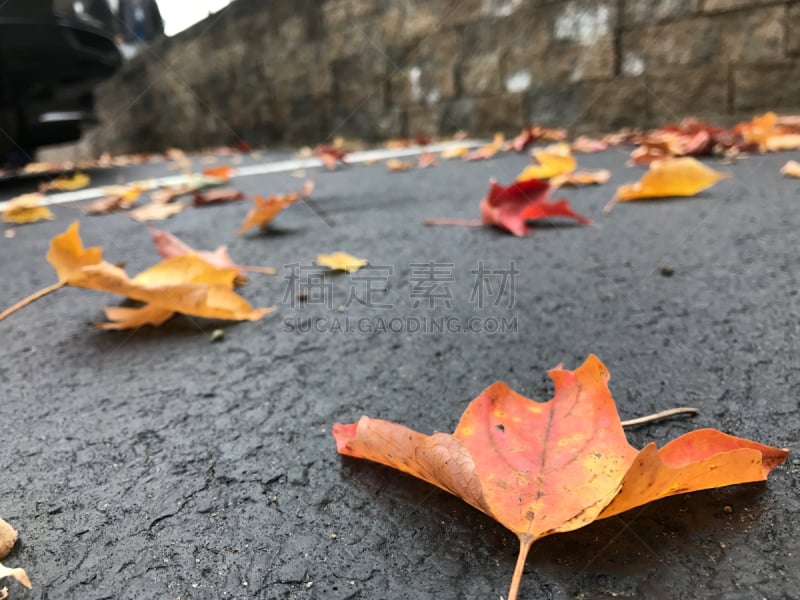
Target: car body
(52, 55)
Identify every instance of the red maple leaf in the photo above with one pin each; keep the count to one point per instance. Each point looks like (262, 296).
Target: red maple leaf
(511, 207)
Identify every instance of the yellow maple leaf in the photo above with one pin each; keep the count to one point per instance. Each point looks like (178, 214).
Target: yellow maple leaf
(675, 177)
(791, 169)
(185, 284)
(66, 184)
(550, 165)
(341, 261)
(27, 209)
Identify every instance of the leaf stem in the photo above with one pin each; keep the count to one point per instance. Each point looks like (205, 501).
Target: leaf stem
(664, 414)
(524, 546)
(611, 204)
(262, 270)
(31, 299)
(460, 222)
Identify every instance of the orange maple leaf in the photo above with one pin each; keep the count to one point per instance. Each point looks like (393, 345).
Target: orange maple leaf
(184, 284)
(545, 468)
(265, 210)
(223, 172)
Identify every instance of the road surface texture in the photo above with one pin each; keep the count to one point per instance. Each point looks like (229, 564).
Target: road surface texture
(160, 464)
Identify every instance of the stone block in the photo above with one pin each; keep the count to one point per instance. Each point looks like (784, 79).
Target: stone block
(724, 5)
(694, 41)
(334, 15)
(753, 35)
(793, 30)
(427, 73)
(766, 87)
(679, 92)
(570, 62)
(424, 120)
(611, 105)
(583, 21)
(555, 105)
(504, 113)
(358, 79)
(480, 75)
(458, 115)
(647, 12)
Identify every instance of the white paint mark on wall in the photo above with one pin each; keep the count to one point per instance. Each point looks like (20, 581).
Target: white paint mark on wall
(500, 8)
(585, 25)
(632, 64)
(414, 76)
(519, 81)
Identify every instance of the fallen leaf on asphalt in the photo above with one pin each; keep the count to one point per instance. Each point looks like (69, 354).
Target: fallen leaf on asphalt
(587, 145)
(189, 185)
(396, 166)
(266, 210)
(557, 164)
(676, 177)
(224, 172)
(331, 156)
(511, 207)
(66, 184)
(8, 537)
(170, 246)
(27, 209)
(535, 133)
(217, 196)
(581, 178)
(545, 468)
(39, 168)
(426, 160)
(120, 197)
(771, 133)
(156, 212)
(341, 261)
(689, 137)
(168, 194)
(19, 574)
(455, 152)
(183, 284)
(787, 141)
(551, 163)
(488, 151)
(791, 169)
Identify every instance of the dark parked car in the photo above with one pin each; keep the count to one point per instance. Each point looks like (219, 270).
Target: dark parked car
(52, 54)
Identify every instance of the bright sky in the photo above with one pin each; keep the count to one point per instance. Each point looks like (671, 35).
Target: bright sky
(181, 14)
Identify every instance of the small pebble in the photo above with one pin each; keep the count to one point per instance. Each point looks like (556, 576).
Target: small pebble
(333, 536)
(727, 509)
(667, 271)
(218, 335)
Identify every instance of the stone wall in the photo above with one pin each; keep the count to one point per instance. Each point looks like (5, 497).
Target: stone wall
(298, 71)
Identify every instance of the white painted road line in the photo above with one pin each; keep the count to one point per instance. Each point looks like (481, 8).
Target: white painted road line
(266, 168)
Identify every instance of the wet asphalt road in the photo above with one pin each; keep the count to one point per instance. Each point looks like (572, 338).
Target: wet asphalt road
(157, 464)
